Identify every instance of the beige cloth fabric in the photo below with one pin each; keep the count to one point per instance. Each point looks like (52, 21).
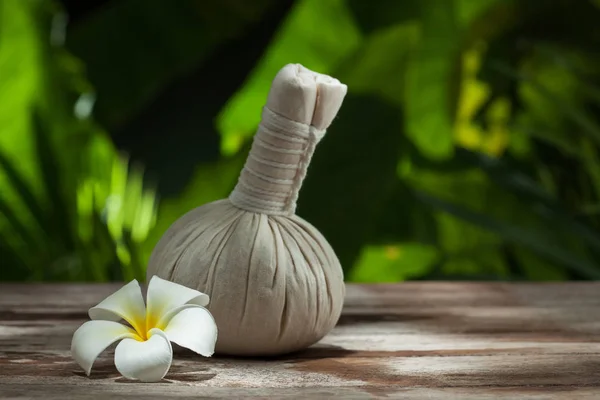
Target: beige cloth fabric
(276, 166)
(274, 281)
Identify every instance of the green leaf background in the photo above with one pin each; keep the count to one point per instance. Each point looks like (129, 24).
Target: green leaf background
(467, 147)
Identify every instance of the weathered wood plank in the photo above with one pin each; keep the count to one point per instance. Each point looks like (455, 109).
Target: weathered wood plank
(173, 391)
(413, 340)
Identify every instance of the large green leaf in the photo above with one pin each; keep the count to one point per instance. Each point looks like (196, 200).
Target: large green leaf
(378, 66)
(429, 111)
(433, 76)
(22, 61)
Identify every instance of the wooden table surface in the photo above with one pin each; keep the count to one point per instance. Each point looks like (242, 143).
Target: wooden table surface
(405, 341)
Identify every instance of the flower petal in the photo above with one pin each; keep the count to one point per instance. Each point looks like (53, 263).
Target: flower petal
(164, 295)
(93, 337)
(126, 303)
(193, 327)
(147, 361)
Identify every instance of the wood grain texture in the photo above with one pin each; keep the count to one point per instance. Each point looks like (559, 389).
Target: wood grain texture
(405, 341)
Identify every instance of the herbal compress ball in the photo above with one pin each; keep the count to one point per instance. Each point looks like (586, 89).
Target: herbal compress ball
(275, 283)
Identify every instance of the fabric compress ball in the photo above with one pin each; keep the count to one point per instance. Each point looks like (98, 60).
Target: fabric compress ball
(275, 283)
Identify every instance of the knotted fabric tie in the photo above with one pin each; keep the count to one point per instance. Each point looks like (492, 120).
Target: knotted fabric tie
(276, 166)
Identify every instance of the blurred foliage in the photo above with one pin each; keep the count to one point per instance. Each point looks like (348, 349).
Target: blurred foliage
(71, 208)
(467, 147)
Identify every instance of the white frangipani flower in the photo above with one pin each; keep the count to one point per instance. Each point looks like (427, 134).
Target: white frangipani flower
(173, 313)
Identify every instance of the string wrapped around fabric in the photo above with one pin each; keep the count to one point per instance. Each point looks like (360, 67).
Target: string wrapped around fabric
(276, 166)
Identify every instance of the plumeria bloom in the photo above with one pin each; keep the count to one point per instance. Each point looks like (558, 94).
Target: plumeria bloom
(173, 313)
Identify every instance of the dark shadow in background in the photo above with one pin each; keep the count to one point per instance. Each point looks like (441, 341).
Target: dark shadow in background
(176, 131)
